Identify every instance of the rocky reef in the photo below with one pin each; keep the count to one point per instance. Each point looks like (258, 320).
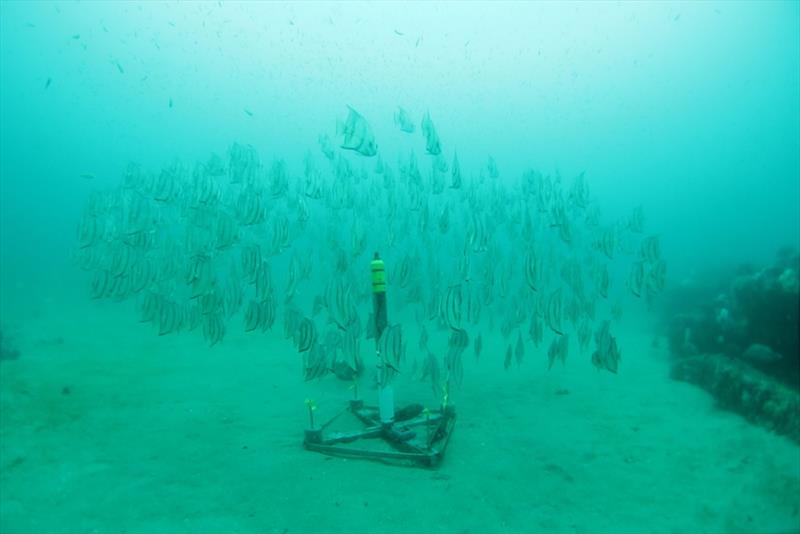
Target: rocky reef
(737, 337)
(739, 387)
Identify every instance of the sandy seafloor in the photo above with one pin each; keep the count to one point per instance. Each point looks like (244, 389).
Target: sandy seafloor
(106, 427)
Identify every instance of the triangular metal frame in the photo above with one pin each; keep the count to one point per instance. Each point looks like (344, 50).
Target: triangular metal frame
(420, 440)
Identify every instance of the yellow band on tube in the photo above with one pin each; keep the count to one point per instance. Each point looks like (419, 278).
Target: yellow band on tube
(378, 276)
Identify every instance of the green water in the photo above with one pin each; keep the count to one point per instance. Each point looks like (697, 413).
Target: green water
(686, 114)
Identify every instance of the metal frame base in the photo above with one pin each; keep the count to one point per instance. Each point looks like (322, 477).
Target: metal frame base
(419, 441)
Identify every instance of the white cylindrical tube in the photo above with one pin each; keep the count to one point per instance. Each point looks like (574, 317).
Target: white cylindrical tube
(386, 404)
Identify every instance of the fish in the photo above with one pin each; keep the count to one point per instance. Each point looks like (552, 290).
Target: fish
(344, 371)
(459, 340)
(48, 82)
(451, 307)
(247, 111)
(532, 269)
(213, 328)
(656, 276)
(507, 361)
(473, 303)
(455, 183)
(423, 338)
(444, 219)
(403, 274)
(253, 267)
(231, 240)
(291, 321)
(170, 102)
(636, 280)
(584, 335)
(100, 284)
(432, 144)
(334, 340)
(252, 316)
(357, 134)
(391, 344)
(636, 220)
(350, 347)
(338, 301)
(403, 120)
(267, 313)
(306, 335)
(554, 312)
(491, 167)
(536, 330)
(558, 350)
(607, 355)
(579, 193)
(603, 282)
(350, 366)
(650, 249)
(315, 362)
(326, 145)
(608, 243)
(149, 307)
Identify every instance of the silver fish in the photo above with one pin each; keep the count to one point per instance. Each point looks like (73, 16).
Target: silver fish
(315, 362)
(403, 120)
(306, 335)
(456, 173)
(607, 355)
(358, 135)
(558, 350)
(554, 312)
(432, 144)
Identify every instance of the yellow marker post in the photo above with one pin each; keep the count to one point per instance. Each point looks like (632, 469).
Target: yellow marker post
(385, 394)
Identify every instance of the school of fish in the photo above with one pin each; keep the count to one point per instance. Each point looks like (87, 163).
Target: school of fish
(237, 242)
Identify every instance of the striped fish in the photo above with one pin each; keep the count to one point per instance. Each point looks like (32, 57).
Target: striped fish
(306, 335)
